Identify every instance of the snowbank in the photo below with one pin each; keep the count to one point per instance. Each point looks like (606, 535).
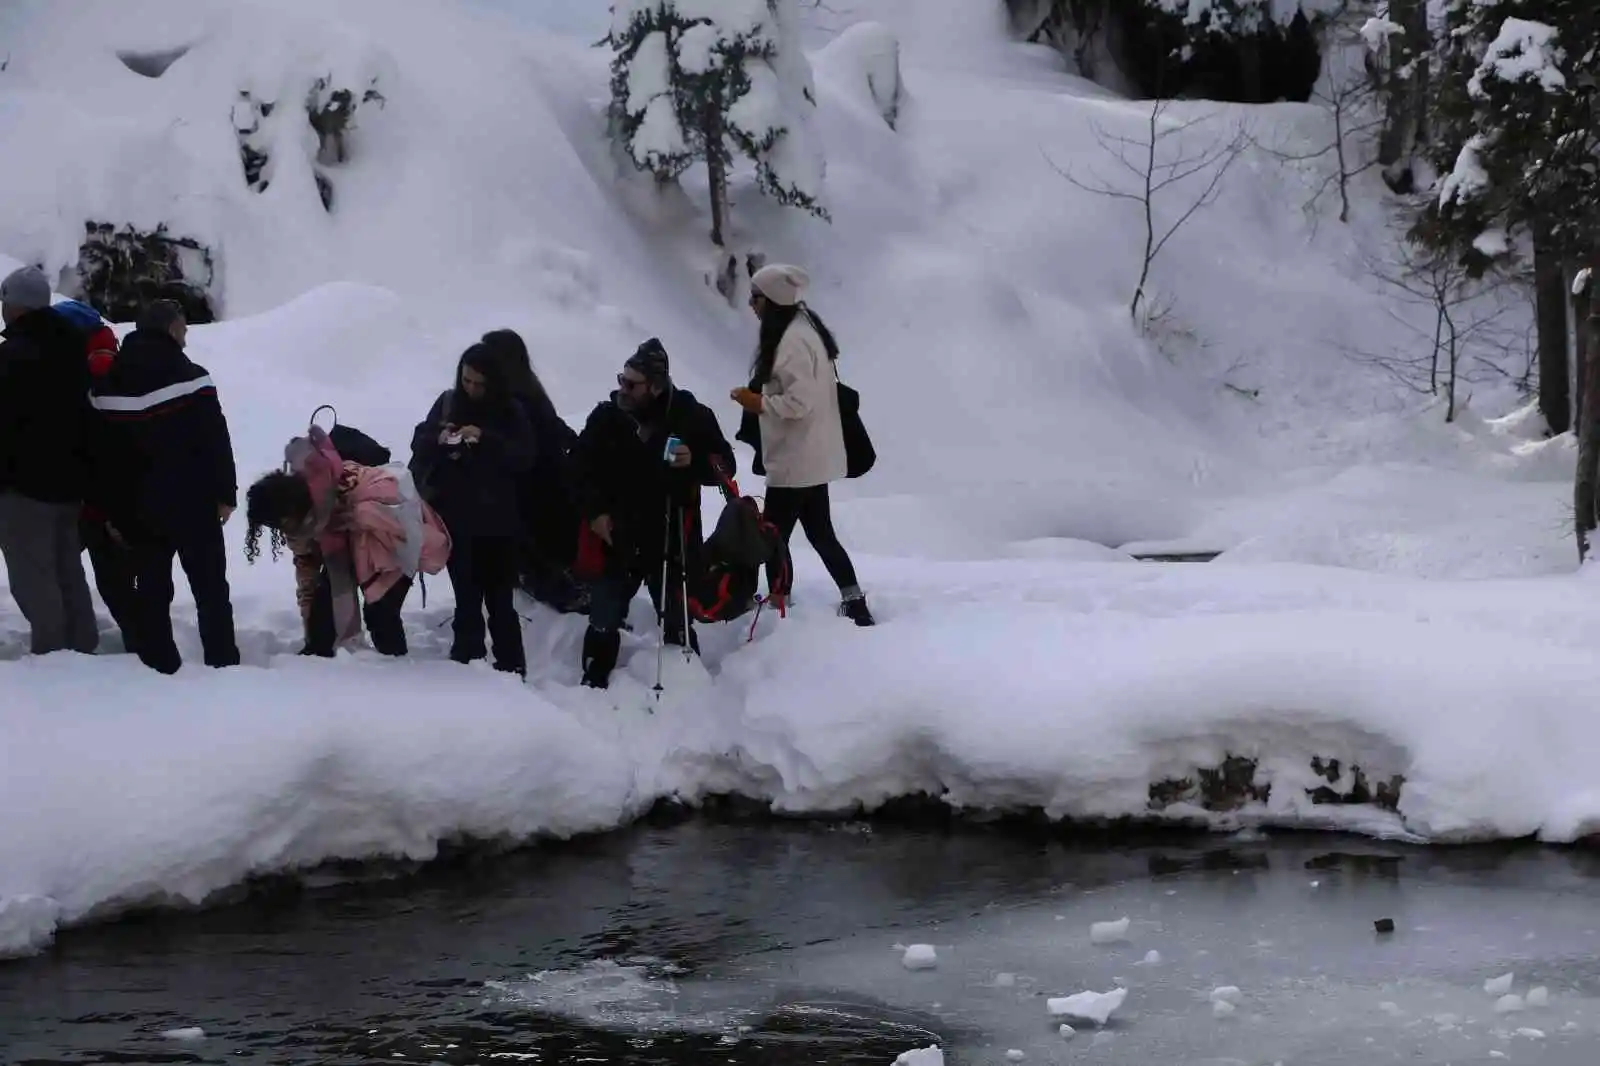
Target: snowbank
(1066, 687)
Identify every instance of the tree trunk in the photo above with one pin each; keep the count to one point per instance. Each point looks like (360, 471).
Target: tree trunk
(1583, 490)
(1393, 141)
(1550, 304)
(1580, 350)
(717, 172)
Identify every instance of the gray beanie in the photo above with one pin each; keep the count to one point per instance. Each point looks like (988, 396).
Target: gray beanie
(26, 289)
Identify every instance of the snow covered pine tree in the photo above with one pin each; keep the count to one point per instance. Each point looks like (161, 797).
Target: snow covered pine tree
(697, 80)
(1517, 130)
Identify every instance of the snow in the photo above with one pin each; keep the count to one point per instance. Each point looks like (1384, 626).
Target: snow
(1376, 32)
(1393, 592)
(1096, 1007)
(1522, 51)
(920, 957)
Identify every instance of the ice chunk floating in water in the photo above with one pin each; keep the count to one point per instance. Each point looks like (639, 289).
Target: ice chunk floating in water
(1109, 932)
(920, 957)
(1093, 1007)
(1499, 986)
(925, 1056)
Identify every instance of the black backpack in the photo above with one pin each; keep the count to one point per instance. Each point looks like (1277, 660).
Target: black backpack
(351, 443)
(744, 543)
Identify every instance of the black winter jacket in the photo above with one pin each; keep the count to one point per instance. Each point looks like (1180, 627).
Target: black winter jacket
(46, 425)
(164, 453)
(621, 471)
(476, 488)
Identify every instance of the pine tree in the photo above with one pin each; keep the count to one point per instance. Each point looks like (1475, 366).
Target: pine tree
(1517, 129)
(702, 80)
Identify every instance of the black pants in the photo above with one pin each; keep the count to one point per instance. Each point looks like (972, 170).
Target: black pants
(384, 625)
(808, 507)
(204, 559)
(483, 571)
(113, 566)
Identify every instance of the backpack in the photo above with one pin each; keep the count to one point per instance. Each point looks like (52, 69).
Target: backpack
(742, 544)
(352, 444)
(100, 341)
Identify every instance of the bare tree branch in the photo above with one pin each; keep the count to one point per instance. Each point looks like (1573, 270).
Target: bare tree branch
(1155, 169)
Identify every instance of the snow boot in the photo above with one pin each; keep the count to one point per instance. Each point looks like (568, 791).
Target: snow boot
(855, 608)
(600, 651)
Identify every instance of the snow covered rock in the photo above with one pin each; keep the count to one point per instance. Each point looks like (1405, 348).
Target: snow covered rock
(1015, 1055)
(1221, 1008)
(927, 1056)
(1109, 932)
(1225, 994)
(193, 1032)
(866, 56)
(1093, 1007)
(920, 957)
(1151, 958)
(1067, 1032)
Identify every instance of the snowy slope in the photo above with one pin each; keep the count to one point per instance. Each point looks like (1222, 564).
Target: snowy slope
(1023, 427)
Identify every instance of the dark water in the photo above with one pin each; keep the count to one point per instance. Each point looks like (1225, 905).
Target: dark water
(738, 943)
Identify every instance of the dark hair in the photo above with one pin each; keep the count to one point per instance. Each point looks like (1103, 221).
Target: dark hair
(492, 365)
(273, 498)
(775, 321)
(520, 376)
(159, 316)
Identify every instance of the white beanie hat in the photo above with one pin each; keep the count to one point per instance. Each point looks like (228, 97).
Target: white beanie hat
(784, 285)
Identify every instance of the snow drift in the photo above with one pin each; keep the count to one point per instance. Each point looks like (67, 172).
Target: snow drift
(1023, 424)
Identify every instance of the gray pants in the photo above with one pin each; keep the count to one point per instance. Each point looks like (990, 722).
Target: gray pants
(45, 570)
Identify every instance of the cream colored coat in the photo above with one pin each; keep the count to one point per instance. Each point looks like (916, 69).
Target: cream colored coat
(802, 437)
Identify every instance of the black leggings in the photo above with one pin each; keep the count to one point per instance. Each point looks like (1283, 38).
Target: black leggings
(808, 507)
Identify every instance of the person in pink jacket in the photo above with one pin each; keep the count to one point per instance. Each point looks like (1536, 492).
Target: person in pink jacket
(375, 538)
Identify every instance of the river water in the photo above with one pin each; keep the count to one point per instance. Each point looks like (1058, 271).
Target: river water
(746, 943)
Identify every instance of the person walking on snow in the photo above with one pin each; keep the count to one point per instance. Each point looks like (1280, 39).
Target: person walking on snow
(794, 392)
(469, 458)
(168, 484)
(371, 532)
(45, 445)
(641, 500)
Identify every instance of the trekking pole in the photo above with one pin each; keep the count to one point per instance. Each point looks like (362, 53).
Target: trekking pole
(661, 610)
(683, 581)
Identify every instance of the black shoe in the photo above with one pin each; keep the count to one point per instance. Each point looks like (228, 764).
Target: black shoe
(464, 657)
(600, 651)
(857, 611)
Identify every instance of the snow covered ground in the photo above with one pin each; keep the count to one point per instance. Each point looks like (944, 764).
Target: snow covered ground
(1395, 592)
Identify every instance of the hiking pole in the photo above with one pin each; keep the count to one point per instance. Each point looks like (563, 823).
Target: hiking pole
(661, 609)
(683, 582)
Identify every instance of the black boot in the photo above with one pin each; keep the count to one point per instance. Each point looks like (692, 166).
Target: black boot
(857, 611)
(600, 652)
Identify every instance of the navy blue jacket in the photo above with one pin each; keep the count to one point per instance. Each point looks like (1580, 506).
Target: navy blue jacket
(166, 457)
(45, 422)
(476, 488)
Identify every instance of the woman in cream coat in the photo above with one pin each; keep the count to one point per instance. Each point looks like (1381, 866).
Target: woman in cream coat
(794, 390)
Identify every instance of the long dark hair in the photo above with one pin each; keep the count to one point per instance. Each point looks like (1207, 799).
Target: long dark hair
(274, 499)
(492, 365)
(520, 376)
(775, 321)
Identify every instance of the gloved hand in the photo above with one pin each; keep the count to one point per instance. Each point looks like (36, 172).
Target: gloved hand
(748, 399)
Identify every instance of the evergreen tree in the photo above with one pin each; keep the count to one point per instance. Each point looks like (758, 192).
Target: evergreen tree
(711, 80)
(1516, 129)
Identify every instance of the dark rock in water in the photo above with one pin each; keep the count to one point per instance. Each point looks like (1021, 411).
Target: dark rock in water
(122, 270)
(1384, 925)
(1233, 784)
